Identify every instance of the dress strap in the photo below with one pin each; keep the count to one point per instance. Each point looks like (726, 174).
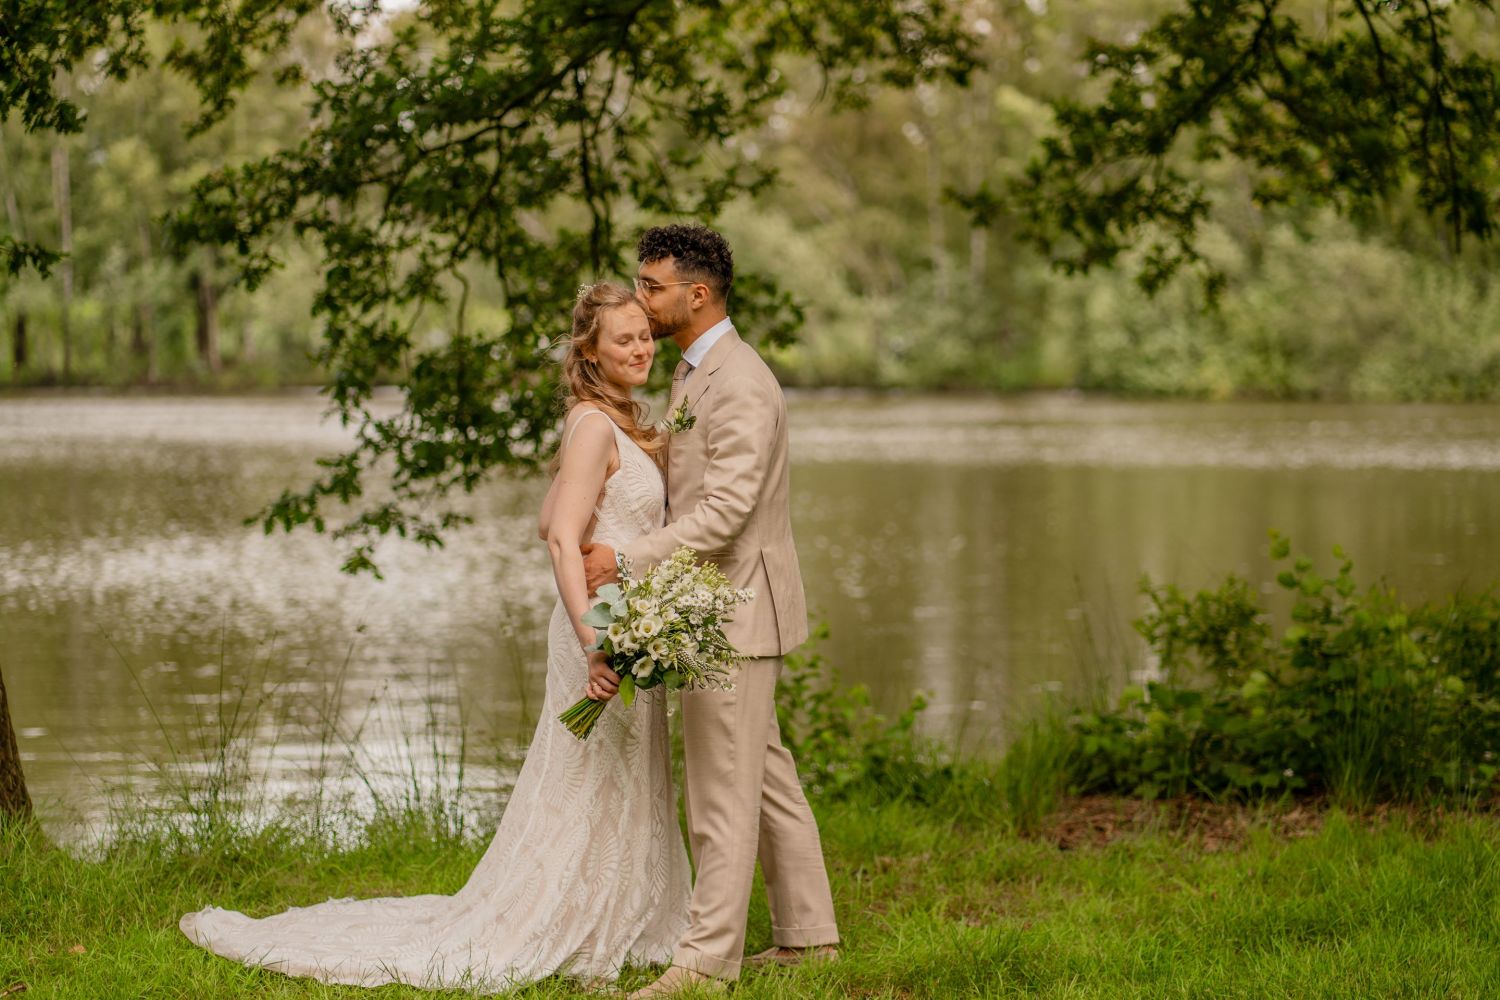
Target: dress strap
(586, 414)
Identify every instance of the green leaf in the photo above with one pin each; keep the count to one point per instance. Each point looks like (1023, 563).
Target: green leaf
(598, 616)
(627, 690)
(610, 593)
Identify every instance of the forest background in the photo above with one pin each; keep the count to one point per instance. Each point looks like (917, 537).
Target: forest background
(865, 228)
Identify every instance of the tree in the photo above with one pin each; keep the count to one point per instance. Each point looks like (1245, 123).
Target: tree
(15, 801)
(490, 142)
(1346, 105)
(37, 40)
(500, 142)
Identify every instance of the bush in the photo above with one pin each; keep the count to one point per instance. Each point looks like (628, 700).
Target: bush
(1360, 696)
(839, 742)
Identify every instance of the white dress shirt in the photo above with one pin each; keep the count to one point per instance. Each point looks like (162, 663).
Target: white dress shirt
(699, 348)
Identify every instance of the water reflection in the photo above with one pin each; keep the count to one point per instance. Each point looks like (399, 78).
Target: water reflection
(986, 551)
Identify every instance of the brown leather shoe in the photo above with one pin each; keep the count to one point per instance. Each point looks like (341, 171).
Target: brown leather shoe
(679, 981)
(794, 956)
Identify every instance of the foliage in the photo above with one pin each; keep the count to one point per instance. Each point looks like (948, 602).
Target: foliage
(1346, 105)
(898, 286)
(1324, 313)
(841, 745)
(216, 47)
(1361, 695)
(510, 136)
(135, 307)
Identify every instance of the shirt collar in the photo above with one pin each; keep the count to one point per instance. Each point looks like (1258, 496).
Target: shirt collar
(698, 349)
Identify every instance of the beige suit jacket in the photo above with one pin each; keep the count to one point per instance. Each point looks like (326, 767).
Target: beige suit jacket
(727, 485)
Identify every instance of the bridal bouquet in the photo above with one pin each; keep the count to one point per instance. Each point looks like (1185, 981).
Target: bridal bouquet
(666, 628)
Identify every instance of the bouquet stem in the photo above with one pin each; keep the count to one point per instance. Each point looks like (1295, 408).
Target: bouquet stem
(580, 718)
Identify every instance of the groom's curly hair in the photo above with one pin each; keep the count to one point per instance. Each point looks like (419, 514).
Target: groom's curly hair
(700, 254)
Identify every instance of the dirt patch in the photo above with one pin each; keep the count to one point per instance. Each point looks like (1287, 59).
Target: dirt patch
(1097, 820)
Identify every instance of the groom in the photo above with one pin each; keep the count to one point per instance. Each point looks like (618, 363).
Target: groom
(727, 501)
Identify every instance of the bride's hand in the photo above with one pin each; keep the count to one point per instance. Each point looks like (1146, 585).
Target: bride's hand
(603, 683)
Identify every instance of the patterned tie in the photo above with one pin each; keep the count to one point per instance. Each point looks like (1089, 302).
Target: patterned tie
(679, 376)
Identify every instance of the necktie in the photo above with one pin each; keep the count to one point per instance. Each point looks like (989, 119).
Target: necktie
(679, 376)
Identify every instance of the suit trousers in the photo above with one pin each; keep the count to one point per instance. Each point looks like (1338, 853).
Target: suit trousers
(743, 801)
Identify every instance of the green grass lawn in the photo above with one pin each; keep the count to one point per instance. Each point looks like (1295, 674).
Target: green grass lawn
(1403, 906)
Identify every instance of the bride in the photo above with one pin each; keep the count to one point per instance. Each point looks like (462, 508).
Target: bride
(587, 870)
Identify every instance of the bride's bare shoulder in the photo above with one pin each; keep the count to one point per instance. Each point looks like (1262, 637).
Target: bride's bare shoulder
(580, 411)
(582, 435)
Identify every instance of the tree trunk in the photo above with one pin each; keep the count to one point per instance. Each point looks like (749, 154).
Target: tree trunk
(18, 346)
(142, 333)
(15, 801)
(19, 353)
(12, 210)
(208, 318)
(140, 349)
(62, 194)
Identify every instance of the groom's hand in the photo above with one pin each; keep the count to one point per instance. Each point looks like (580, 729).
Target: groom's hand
(599, 566)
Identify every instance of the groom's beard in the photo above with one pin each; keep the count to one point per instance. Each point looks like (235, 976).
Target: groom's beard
(664, 327)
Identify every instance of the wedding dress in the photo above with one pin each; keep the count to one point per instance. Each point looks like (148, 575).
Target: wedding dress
(586, 871)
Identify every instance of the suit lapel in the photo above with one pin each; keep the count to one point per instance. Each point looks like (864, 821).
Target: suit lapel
(699, 381)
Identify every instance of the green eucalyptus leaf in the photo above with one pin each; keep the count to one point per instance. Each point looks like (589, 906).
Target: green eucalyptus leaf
(598, 616)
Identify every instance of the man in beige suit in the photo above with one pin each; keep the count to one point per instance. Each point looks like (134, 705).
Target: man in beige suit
(727, 474)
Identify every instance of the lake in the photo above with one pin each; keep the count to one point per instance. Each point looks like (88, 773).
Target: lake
(986, 551)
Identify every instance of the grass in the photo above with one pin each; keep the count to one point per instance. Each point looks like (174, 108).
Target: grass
(1403, 905)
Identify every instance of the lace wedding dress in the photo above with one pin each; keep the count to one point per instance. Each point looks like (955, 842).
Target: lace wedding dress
(586, 871)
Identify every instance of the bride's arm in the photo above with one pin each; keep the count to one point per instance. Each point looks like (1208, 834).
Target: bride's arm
(544, 519)
(585, 465)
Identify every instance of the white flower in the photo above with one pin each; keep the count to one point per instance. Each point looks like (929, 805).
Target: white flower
(657, 649)
(643, 668)
(643, 606)
(616, 633)
(627, 644)
(648, 627)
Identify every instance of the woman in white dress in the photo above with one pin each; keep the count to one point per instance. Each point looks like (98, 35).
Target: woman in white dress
(587, 870)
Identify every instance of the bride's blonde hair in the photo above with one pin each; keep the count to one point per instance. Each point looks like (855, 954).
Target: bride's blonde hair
(585, 383)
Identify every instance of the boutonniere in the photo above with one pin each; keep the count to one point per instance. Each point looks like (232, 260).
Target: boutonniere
(679, 420)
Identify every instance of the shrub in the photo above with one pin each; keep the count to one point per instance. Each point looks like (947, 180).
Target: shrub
(839, 741)
(1360, 695)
